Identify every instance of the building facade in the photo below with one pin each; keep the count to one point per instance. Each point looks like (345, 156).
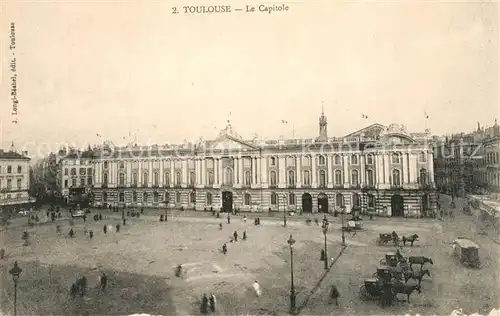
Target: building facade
(14, 180)
(469, 163)
(380, 169)
(76, 174)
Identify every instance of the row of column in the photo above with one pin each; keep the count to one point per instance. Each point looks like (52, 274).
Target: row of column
(259, 171)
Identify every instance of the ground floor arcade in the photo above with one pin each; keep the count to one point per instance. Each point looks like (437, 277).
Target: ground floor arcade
(381, 202)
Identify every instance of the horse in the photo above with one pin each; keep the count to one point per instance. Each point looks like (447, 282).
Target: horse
(416, 275)
(411, 239)
(400, 288)
(419, 260)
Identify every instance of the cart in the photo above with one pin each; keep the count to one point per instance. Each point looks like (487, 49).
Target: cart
(467, 252)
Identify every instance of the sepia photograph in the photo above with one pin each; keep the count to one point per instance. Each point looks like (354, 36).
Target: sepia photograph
(249, 158)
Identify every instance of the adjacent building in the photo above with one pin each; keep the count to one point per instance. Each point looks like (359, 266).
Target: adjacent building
(14, 180)
(382, 169)
(76, 176)
(469, 163)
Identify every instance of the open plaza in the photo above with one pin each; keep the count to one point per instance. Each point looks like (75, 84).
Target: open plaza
(141, 258)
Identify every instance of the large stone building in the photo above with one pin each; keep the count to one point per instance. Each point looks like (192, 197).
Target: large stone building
(469, 163)
(378, 168)
(76, 174)
(14, 180)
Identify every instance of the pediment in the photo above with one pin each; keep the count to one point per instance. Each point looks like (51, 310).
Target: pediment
(226, 142)
(373, 131)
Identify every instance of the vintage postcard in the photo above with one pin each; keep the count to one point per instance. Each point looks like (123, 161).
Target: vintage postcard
(249, 157)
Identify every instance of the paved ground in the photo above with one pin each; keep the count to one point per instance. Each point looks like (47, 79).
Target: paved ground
(140, 261)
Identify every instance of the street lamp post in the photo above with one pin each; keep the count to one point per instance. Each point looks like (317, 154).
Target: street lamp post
(290, 242)
(325, 230)
(284, 210)
(343, 236)
(15, 272)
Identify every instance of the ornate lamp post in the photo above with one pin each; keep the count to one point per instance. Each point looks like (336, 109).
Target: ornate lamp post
(290, 242)
(15, 272)
(325, 230)
(284, 210)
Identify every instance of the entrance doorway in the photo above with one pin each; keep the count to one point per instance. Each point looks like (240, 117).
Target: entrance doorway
(227, 201)
(322, 203)
(397, 205)
(307, 203)
(425, 204)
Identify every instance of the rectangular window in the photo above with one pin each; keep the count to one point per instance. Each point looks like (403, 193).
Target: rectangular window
(65, 171)
(82, 182)
(19, 184)
(19, 169)
(65, 183)
(73, 182)
(9, 169)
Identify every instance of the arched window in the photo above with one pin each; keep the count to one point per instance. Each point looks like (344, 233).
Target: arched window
(134, 196)
(156, 178)
(307, 177)
(354, 159)
(209, 198)
(356, 200)
(178, 178)
(369, 159)
(192, 197)
(145, 179)
(105, 178)
(167, 197)
(423, 176)
(291, 177)
(134, 178)
(167, 179)
(247, 199)
(192, 178)
(273, 178)
(291, 199)
(155, 197)
(369, 177)
(396, 158)
(423, 157)
(105, 196)
(248, 177)
(274, 199)
(338, 177)
(272, 161)
(145, 197)
(122, 165)
(290, 161)
(122, 179)
(396, 177)
(338, 160)
(354, 177)
(229, 176)
(210, 178)
(322, 178)
(307, 161)
(178, 197)
(321, 160)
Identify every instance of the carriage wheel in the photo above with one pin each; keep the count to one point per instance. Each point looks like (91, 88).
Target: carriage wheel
(363, 293)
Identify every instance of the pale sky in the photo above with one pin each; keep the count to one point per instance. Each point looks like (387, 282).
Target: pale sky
(114, 67)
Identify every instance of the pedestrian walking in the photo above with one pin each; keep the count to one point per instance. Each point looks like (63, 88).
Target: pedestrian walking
(245, 235)
(124, 221)
(235, 235)
(117, 228)
(71, 232)
(224, 249)
(256, 288)
(334, 295)
(220, 226)
(244, 218)
(105, 229)
(204, 304)
(2, 253)
(84, 218)
(212, 300)
(228, 219)
(100, 216)
(104, 281)
(91, 234)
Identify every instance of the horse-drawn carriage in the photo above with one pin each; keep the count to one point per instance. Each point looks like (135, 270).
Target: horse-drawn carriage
(389, 273)
(372, 289)
(390, 260)
(467, 252)
(384, 239)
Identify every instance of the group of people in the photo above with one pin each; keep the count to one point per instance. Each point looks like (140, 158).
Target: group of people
(79, 287)
(208, 303)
